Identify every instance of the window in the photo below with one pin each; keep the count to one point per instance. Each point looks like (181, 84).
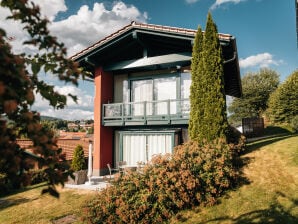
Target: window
(142, 147)
(164, 90)
(142, 91)
(157, 95)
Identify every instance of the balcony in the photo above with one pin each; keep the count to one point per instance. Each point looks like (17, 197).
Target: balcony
(162, 112)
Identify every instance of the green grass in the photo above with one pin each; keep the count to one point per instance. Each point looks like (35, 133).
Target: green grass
(30, 206)
(270, 193)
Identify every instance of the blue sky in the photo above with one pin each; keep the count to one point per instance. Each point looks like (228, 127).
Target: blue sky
(262, 27)
(265, 31)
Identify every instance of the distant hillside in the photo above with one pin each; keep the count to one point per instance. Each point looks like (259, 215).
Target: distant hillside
(48, 118)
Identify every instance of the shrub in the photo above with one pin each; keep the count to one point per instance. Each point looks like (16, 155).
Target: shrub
(294, 124)
(3, 184)
(38, 176)
(78, 160)
(194, 174)
(237, 139)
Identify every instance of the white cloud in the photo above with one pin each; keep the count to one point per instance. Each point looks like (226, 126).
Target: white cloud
(83, 109)
(191, 1)
(14, 31)
(88, 26)
(50, 8)
(259, 60)
(220, 2)
(67, 113)
(78, 31)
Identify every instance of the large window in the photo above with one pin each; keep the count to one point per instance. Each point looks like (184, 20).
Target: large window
(157, 95)
(138, 148)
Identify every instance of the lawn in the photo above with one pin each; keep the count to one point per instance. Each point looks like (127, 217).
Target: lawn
(30, 206)
(269, 193)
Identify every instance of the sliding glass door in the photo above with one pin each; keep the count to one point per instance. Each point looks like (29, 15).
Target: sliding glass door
(142, 147)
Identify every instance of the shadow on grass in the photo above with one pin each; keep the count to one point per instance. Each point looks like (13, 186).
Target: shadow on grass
(257, 144)
(23, 189)
(276, 213)
(6, 203)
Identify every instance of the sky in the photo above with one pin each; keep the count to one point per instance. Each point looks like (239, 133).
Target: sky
(265, 32)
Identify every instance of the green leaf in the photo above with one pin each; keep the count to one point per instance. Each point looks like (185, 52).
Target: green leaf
(35, 67)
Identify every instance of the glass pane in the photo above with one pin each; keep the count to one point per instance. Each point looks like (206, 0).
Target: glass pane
(159, 144)
(141, 92)
(165, 89)
(134, 149)
(185, 93)
(185, 85)
(112, 110)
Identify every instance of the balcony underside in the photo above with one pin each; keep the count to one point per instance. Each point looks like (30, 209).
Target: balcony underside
(141, 121)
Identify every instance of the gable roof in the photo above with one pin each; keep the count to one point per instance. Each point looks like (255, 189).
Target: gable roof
(150, 27)
(140, 46)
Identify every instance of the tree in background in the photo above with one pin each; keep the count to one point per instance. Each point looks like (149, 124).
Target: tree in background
(256, 89)
(208, 104)
(78, 162)
(19, 82)
(283, 102)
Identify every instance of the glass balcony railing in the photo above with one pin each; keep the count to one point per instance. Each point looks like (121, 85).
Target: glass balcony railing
(174, 111)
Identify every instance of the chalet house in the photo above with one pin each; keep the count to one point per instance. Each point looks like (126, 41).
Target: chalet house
(142, 86)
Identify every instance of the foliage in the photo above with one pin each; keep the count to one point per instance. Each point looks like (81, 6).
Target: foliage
(238, 140)
(194, 174)
(37, 176)
(208, 119)
(3, 186)
(283, 103)
(19, 82)
(78, 161)
(196, 91)
(256, 89)
(294, 123)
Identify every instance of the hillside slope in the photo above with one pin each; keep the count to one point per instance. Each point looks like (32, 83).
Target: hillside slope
(270, 194)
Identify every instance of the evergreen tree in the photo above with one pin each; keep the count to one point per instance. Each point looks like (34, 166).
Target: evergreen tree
(78, 160)
(215, 122)
(283, 102)
(196, 107)
(208, 118)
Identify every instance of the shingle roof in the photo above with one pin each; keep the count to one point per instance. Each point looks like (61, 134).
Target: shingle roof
(152, 27)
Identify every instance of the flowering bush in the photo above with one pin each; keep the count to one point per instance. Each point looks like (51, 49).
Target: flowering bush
(194, 174)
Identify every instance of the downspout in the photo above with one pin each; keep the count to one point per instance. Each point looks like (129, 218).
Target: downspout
(231, 59)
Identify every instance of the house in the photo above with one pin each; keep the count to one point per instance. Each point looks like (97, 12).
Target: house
(142, 86)
(72, 126)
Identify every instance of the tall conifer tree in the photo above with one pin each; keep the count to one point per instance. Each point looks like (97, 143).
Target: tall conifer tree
(196, 107)
(209, 106)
